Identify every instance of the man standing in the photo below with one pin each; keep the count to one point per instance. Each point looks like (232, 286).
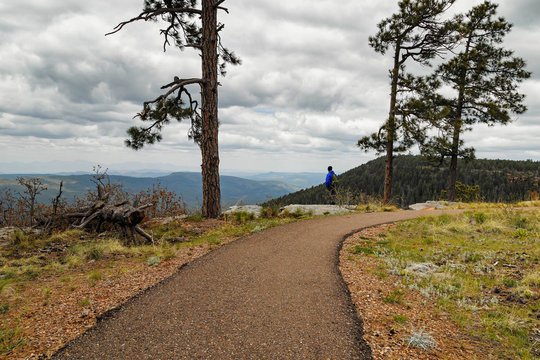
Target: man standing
(331, 180)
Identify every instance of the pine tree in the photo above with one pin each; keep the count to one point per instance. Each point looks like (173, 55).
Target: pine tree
(484, 77)
(415, 33)
(188, 26)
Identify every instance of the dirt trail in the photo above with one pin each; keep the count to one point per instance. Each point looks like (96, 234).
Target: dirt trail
(276, 294)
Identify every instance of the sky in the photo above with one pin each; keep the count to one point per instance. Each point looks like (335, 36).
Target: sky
(308, 88)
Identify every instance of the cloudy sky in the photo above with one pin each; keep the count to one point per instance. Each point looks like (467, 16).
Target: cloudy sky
(308, 89)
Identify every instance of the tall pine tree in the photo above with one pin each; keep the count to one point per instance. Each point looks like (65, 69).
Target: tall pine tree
(484, 77)
(189, 26)
(415, 33)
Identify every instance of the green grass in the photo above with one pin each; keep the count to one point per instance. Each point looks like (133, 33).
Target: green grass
(483, 257)
(10, 339)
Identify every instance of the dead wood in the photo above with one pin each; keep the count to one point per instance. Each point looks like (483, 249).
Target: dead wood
(120, 214)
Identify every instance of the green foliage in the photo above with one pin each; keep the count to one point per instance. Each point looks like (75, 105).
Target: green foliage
(401, 319)
(242, 217)
(485, 78)
(416, 32)
(363, 249)
(177, 104)
(84, 302)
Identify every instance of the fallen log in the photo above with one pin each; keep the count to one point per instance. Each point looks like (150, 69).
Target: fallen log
(121, 214)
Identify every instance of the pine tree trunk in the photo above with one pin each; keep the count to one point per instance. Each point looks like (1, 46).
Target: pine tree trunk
(452, 176)
(458, 122)
(209, 97)
(389, 170)
(391, 129)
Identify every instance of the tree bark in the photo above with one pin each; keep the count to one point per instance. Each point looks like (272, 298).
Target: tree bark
(452, 176)
(458, 122)
(209, 97)
(391, 129)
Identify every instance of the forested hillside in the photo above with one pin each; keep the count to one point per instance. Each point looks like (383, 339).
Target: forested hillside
(417, 180)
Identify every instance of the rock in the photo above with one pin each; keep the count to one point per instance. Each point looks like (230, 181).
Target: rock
(432, 205)
(254, 209)
(320, 209)
(422, 269)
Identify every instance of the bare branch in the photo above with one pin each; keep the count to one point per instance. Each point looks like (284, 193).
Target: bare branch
(182, 82)
(147, 15)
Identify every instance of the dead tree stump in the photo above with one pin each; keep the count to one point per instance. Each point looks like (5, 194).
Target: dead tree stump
(120, 214)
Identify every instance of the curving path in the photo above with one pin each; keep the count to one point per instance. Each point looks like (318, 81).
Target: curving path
(277, 294)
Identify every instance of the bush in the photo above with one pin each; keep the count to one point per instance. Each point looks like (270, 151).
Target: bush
(269, 212)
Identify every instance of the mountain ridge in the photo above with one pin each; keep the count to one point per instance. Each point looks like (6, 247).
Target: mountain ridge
(417, 180)
(187, 184)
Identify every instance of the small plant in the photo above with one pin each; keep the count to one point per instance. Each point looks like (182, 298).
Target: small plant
(401, 319)
(520, 233)
(420, 339)
(10, 339)
(509, 282)
(520, 222)
(84, 302)
(258, 228)
(242, 217)
(395, 297)
(298, 213)
(94, 276)
(4, 308)
(269, 212)
(363, 249)
(480, 217)
(20, 240)
(154, 261)
(196, 217)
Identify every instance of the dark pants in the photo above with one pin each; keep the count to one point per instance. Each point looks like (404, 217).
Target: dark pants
(331, 192)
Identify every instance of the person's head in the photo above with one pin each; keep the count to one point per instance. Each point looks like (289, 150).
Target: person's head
(329, 168)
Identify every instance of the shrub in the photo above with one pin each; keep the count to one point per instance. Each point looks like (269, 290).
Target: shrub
(154, 261)
(420, 339)
(269, 212)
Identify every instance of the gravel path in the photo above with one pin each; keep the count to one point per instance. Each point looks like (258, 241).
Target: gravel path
(276, 294)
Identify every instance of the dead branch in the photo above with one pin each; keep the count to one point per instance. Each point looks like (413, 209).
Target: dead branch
(149, 14)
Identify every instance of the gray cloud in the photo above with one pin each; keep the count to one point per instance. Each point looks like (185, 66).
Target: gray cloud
(309, 86)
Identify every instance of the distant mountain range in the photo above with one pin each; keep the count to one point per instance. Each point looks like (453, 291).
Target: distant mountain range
(417, 180)
(262, 187)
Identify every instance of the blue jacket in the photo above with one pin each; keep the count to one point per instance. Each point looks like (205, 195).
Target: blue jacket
(330, 178)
